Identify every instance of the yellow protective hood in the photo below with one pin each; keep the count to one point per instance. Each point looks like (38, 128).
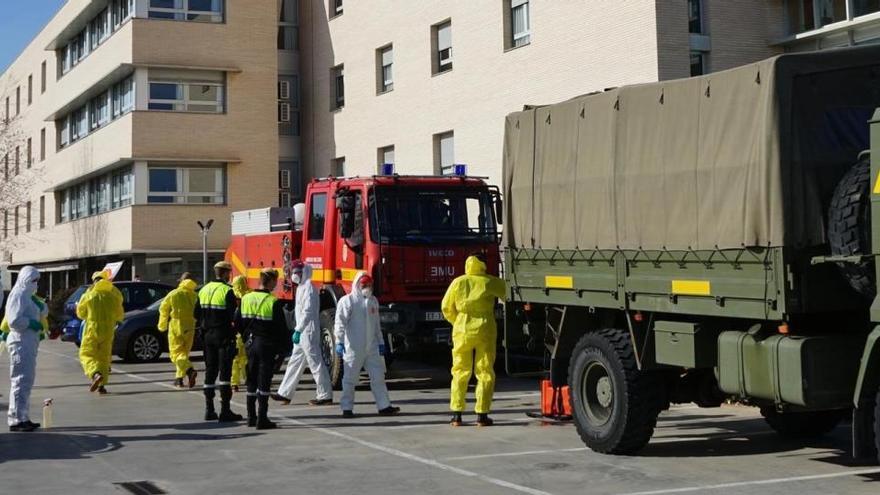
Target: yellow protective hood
(188, 284)
(103, 285)
(240, 286)
(473, 266)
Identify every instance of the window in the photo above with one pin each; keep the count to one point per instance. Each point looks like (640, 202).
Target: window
(698, 63)
(18, 100)
(338, 77)
(864, 7)
(288, 118)
(335, 8)
(42, 212)
(183, 185)
(288, 22)
(442, 43)
(96, 113)
(806, 15)
(695, 16)
(7, 110)
(27, 217)
(63, 132)
(285, 199)
(6, 224)
(283, 112)
(182, 91)
(104, 193)
(96, 32)
(384, 69)
(30, 89)
(6, 167)
(337, 167)
(16, 220)
(520, 23)
(42, 144)
(317, 216)
(187, 10)
(444, 153)
(384, 155)
(283, 90)
(17, 160)
(30, 153)
(43, 77)
(284, 179)
(121, 188)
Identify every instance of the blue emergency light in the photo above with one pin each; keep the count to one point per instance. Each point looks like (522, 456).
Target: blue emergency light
(460, 169)
(387, 169)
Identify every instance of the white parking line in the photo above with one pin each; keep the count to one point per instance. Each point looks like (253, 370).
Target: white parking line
(773, 481)
(364, 443)
(514, 454)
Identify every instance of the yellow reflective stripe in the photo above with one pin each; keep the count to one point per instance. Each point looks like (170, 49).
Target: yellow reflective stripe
(348, 274)
(324, 276)
(692, 287)
(558, 282)
(877, 185)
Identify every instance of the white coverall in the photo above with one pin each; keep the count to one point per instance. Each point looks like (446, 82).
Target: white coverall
(308, 351)
(357, 327)
(22, 343)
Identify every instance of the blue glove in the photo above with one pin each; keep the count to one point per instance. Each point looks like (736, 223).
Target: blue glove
(382, 349)
(3, 336)
(340, 349)
(296, 336)
(35, 326)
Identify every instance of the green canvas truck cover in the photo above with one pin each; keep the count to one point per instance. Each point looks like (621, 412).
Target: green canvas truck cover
(740, 158)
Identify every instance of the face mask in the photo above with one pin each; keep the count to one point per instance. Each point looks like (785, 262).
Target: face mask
(297, 278)
(367, 292)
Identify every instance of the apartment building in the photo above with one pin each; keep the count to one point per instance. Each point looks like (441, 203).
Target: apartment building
(128, 121)
(426, 85)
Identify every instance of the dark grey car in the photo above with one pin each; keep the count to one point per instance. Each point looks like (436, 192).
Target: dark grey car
(138, 338)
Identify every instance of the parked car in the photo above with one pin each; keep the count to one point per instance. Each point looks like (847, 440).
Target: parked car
(135, 295)
(138, 338)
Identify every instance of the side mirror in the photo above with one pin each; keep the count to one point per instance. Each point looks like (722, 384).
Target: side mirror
(345, 205)
(499, 210)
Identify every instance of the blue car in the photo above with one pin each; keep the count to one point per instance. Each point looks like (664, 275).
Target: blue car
(135, 296)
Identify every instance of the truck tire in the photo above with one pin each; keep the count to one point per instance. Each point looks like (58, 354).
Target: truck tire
(328, 348)
(849, 223)
(615, 406)
(810, 424)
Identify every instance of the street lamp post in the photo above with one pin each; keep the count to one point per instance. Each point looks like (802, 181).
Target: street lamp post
(205, 228)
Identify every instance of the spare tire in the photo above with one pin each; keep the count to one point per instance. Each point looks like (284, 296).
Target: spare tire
(849, 227)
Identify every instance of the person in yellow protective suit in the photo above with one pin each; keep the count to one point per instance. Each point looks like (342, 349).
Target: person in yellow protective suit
(240, 288)
(469, 305)
(177, 317)
(100, 308)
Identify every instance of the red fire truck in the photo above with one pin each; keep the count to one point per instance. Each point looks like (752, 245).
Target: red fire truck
(412, 234)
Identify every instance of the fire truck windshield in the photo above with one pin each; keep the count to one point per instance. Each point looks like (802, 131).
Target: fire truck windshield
(431, 215)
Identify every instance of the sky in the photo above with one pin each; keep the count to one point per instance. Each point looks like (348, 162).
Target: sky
(20, 21)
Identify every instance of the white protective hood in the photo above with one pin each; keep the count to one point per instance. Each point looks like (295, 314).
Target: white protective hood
(20, 308)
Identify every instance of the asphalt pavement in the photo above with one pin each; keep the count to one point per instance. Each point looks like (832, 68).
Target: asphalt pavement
(147, 431)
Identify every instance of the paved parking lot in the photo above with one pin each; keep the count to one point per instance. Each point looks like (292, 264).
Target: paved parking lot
(146, 430)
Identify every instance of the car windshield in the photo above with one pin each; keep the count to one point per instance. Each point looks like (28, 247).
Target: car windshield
(431, 215)
(155, 305)
(74, 298)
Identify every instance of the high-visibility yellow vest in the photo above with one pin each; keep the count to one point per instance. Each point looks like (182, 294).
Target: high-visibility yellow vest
(258, 306)
(213, 295)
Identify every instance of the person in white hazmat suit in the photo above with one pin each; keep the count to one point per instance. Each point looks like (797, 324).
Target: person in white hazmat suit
(359, 341)
(306, 342)
(25, 314)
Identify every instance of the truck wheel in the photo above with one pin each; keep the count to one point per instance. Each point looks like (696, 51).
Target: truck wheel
(615, 405)
(810, 424)
(849, 223)
(328, 348)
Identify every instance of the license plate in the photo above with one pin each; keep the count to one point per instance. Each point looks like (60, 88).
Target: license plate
(433, 316)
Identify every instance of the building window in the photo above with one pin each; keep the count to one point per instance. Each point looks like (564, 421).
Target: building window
(695, 16)
(289, 179)
(42, 144)
(806, 15)
(30, 153)
(337, 75)
(17, 160)
(96, 113)
(17, 101)
(444, 153)
(288, 96)
(337, 167)
(442, 47)
(317, 217)
(186, 91)
(385, 69)
(187, 10)
(384, 155)
(43, 77)
(288, 30)
(42, 212)
(698, 63)
(16, 220)
(335, 8)
(6, 119)
(864, 7)
(6, 167)
(518, 24)
(104, 193)
(27, 217)
(30, 89)
(6, 224)
(186, 185)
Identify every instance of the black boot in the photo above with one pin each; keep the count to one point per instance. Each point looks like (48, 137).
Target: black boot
(210, 413)
(484, 420)
(263, 422)
(226, 414)
(456, 419)
(252, 410)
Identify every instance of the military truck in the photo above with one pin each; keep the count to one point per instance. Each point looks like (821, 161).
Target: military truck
(701, 240)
